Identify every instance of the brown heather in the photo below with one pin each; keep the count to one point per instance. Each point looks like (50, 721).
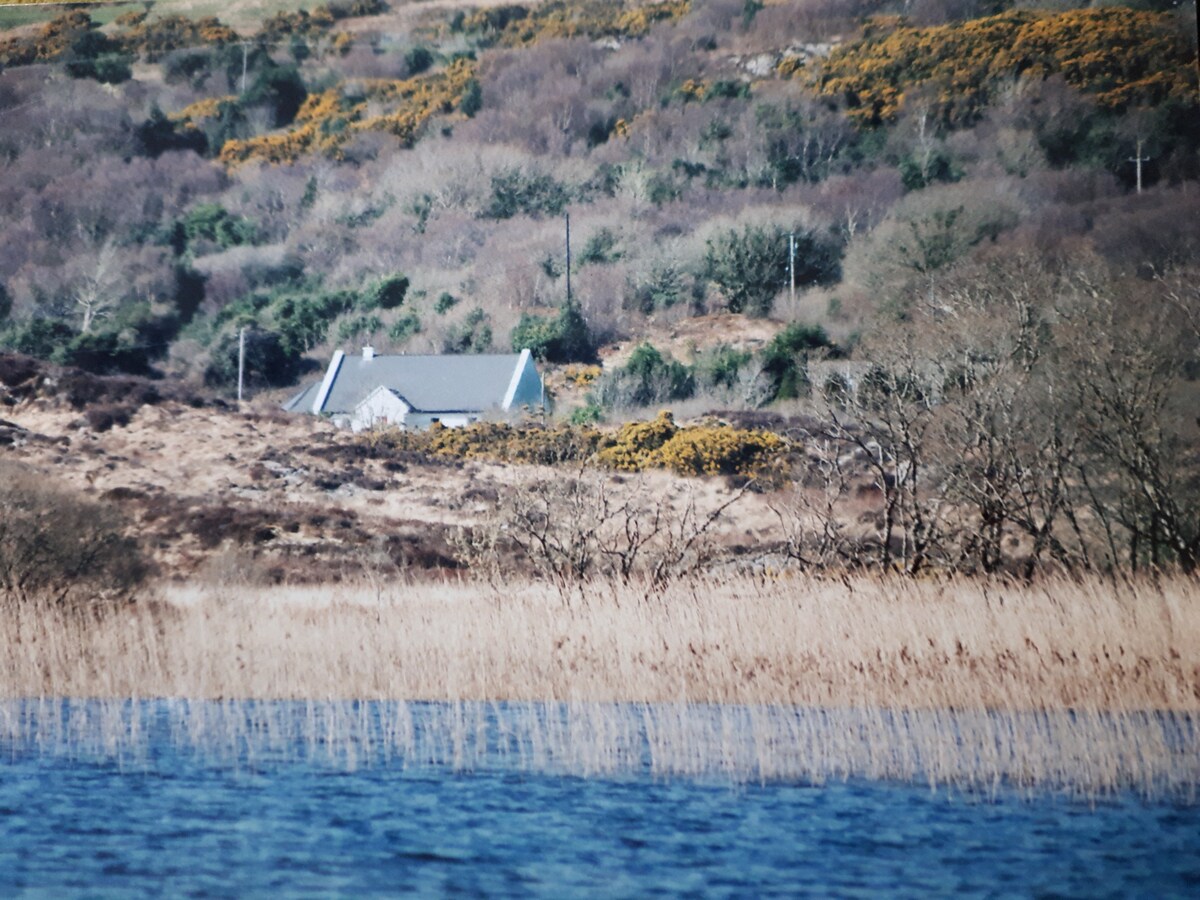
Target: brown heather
(1086, 687)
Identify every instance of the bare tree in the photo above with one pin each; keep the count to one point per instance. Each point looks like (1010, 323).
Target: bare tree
(95, 292)
(811, 516)
(569, 530)
(1009, 427)
(1144, 467)
(888, 424)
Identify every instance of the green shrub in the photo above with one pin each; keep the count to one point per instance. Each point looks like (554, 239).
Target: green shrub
(158, 134)
(751, 266)
(41, 337)
(516, 192)
(404, 328)
(418, 59)
(918, 173)
(588, 414)
(785, 359)
(108, 68)
(280, 89)
(727, 90)
(472, 99)
(601, 247)
(107, 351)
(358, 327)
(212, 222)
(387, 293)
(472, 335)
(647, 378)
(565, 338)
(269, 360)
(721, 367)
(663, 287)
(302, 320)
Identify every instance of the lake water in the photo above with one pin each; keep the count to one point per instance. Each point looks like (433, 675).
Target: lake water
(137, 804)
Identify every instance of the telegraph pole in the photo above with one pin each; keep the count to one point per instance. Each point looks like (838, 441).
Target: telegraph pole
(792, 263)
(245, 59)
(1138, 159)
(568, 259)
(241, 361)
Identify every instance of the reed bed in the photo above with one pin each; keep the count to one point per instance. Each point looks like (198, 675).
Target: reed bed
(1086, 687)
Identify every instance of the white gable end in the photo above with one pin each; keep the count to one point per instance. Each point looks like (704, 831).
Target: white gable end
(380, 408)
(525, 389)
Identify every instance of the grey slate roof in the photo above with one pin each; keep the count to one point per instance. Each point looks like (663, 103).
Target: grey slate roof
(303, 401)
(462, 383)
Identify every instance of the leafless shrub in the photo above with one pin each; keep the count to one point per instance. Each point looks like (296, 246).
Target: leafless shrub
(571, 530)
(58, 548)
(106, 416)
(812, 519)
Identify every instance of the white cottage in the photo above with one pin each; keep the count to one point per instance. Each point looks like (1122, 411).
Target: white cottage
(368, 391)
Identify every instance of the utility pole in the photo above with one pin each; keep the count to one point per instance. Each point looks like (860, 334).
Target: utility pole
(245, 59)
(568, 259)
(241, 361)
(1138, 159)
(792, 263)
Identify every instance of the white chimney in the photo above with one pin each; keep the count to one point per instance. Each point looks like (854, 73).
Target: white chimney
(368, 352)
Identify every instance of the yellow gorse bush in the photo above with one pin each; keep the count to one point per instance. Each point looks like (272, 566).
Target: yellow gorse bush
(719, 450)
(54, 39)
(300, 22)
(497, 441)
(582, 376)
(517, 25)
(1121, 56)
(634, 447)
(637, 442)
(135, 33)
(691, 450)
(154, 37)
(789, 66)
(208, 108)
(327, 120)
(693, 89)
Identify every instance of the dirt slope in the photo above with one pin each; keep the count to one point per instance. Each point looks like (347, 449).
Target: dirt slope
(269, 496)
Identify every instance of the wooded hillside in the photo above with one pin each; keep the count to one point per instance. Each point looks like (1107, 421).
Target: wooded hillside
(986, 210)
(168, 180)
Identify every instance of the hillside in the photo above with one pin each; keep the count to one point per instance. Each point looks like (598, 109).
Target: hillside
(156, 198)
(945, 237)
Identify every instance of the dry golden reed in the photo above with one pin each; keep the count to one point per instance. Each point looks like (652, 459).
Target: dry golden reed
(1086, 687)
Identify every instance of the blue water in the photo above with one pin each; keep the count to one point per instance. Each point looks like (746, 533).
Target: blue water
(174, 821)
